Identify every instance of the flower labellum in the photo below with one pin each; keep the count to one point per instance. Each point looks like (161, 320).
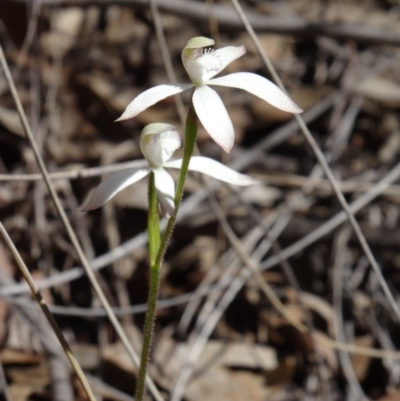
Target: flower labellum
(158, 142)
(202, 65)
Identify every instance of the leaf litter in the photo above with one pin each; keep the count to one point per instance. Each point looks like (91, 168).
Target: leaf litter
(80, 68)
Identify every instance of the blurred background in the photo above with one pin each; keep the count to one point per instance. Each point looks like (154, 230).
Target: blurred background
(315, 324)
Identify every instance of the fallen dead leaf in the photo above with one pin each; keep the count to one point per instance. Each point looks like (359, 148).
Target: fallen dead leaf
(232, 354)
(261, 195)
(10, 119)
(35, 376)
(217, 383)
(10, 356)
(378, 89)
(88, 355)
(20, 392)
(361, 363)
(282, 374)
(65, 27)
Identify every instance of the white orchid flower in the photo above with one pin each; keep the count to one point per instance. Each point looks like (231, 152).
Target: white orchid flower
(158, 142)
(202, 65)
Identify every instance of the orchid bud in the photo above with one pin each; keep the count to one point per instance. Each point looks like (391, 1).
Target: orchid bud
(158, 142)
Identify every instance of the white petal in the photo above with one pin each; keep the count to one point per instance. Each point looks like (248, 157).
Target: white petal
(165, 189)
(214, 169)
(217, 60)
(112, 185)
(259, 86)
(150, 97)
(214, 117)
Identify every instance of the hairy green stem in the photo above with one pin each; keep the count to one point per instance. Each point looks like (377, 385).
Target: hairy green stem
(153, 228)
(157, 249)
(190, 141)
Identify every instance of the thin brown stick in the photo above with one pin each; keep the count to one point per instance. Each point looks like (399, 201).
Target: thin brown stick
(46, 311)
(73, 174)
(31, 33)
(339, 254)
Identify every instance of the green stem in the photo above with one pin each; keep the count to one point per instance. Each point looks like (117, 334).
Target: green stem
(157, 249)
(190, 141)
(153, 223)
(153, 228)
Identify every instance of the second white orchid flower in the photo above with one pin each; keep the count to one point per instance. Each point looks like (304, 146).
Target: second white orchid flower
(158, 142)
(202, 65)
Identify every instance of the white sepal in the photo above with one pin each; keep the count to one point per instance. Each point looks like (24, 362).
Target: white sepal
(258, 86)
(150, 97)
(214, 169)
(214, 117)
(113, 184)
(165, 187)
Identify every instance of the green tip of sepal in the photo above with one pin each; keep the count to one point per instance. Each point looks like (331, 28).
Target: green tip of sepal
(199, 41)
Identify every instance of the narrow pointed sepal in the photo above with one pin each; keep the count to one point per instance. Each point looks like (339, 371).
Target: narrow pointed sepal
(258, 86)
(165, 187)
(214, 169)
(214, 117)
(113, 184)
(150, 97)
